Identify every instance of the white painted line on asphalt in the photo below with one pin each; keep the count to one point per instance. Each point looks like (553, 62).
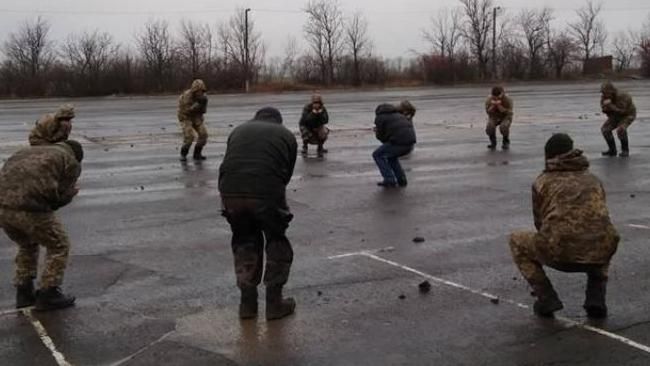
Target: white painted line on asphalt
(639, 226)
(141, 350)
(12, 311)
(566, 321)
(45, 338)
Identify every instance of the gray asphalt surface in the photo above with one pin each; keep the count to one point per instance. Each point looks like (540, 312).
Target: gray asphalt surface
(152, 269)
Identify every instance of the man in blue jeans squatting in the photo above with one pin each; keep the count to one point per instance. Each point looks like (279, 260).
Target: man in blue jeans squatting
(397, 136)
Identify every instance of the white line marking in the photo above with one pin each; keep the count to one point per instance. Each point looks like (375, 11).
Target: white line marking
(639, 226)
(566, 321)
(45, 338)
(141, 350)
(13, 311)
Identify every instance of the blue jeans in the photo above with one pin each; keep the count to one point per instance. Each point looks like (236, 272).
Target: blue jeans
(387, 159)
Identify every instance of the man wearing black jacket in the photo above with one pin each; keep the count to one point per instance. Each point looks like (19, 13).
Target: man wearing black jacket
(258, 165)
(397, 136)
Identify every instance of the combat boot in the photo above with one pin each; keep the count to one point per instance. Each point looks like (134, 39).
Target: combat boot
(321, 150)
(52, 298)
(547, 301)
(506, 143)
(493, 143)
(595, 305)
(305, 149)
(248, 304)
(185, 149)
(25, 295)
(612, 147)
(276, 306)
(197, 153)
(625, 148)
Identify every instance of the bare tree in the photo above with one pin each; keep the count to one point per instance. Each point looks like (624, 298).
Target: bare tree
(444, 33)
(324, 33)
(232, 36)
(561, 50)
(195, 47)
(287, 67)
(644, 48)
(478, 26)
(30, 51)
(589, 30)
(625, 48)
(533, 24)
(156, 48)
(89, 55)
(358, 43)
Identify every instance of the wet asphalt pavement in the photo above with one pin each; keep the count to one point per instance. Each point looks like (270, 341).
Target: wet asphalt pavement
(152, 269)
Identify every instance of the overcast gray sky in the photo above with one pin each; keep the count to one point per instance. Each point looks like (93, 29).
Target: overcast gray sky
(395, 26)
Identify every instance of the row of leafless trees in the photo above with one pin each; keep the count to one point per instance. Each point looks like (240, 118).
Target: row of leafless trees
(475, 41)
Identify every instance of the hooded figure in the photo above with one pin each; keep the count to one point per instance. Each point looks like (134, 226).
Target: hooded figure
(621, 112)
(258, 165)
(192, 105)
(312, 125)
(53, 128)
(498, 107)
(397, 135)
(574, 231)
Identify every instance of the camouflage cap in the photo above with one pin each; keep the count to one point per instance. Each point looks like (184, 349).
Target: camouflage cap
(198, 85)
(608, 87)
(66, 111)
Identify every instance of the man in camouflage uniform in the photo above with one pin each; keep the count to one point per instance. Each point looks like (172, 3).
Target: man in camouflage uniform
(192, 105)
(258, 165)
(621, 112)
(574, 231)
(312, 125)
(51, 129)
(499, 110)
(35, 182)
(407, 109)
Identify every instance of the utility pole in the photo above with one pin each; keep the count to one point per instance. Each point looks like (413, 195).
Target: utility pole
(246, 55)
(494, 41)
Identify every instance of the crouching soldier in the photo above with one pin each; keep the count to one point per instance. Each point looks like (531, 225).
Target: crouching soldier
(621, 112)
(192, 105)
(35, 182)
(53, 128)
(258, 165)
(499, 110)
(312, 125)
(574, 231)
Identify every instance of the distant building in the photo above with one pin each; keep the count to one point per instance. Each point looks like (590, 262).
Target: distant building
(598, 65)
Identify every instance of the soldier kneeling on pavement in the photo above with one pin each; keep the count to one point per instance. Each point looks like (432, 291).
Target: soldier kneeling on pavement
(574, 231)
(258, 165)
(35, 182)
(53, 128)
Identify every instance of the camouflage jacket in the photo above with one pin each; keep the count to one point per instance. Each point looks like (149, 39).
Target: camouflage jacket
(39, 178)
(621, 106)
(496, 113)
(49, 130)
(191, 107)
(571, 212)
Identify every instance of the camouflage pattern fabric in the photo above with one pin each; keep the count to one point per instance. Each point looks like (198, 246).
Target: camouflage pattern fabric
(192, 105)
(315, 136)
(620, 110)
(50, 130)
(499, 115)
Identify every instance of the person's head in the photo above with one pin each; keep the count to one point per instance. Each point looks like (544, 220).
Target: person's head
(198, 87)
(558, 144)
(497, 91)
(406, 108)
(65, 113)
(608, 90)
(76, 149)
(316, 101)
(268, 114)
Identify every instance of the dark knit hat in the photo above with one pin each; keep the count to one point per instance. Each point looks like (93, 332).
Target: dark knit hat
(558, 144)
(76, 148)
(497, 90)
(269, 114)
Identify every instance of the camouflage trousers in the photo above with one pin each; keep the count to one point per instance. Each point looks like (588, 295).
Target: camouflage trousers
(503, 124)
(620, 125)
(257, 226)
(530, 253)
(190, 127)
(33, 229)
(314, 136)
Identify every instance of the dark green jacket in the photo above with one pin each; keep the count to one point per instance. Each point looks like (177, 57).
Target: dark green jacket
(259, 161)
(313, 120)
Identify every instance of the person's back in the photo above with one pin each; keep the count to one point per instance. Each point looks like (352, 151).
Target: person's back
(393, 127)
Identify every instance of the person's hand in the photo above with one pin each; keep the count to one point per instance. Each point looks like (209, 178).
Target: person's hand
(607, 101)
(74, 190)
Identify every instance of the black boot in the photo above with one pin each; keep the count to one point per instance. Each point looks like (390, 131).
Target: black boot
(276, 306)
(612, 147)
(25, 295)
(625, 148)
(304, 150)
(185, 149)
(248, 304)
(321, 150)
(595, 305)
(506, 143)
(52, 298)
(547, 301)
(493, 142)
(197, 153)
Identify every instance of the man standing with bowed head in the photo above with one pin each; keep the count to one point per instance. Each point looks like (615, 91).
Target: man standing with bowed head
(574, 231)
(258, 165)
